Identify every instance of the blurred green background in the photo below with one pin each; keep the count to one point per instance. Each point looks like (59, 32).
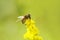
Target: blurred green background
(46, 14)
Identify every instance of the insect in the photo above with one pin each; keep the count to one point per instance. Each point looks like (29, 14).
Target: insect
(32, 31)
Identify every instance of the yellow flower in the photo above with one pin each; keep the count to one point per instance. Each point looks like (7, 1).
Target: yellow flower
(32, 31)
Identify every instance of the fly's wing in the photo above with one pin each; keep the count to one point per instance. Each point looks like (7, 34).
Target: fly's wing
(19, 18)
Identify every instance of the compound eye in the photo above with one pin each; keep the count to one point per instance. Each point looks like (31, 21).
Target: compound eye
(29, 16)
